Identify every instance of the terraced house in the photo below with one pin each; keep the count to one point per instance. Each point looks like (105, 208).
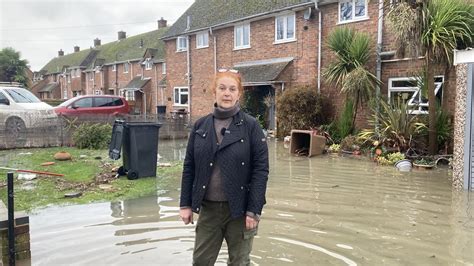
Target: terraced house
(131, 66)
(277, 45)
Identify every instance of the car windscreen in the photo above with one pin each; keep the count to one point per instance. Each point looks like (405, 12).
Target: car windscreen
(22, 96)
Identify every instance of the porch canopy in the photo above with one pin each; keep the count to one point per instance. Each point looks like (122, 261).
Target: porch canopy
(136, 84)
(262, 72)
(49, 87)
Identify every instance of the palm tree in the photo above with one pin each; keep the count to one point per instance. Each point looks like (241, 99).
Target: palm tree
(349, 70)
(435, 27)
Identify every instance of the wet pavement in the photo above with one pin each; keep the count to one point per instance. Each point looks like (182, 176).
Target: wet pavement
(325, 210)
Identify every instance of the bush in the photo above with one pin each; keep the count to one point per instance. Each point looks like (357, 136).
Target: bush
(391, 158)
(350, 143)
(92, 136)
(300, 108)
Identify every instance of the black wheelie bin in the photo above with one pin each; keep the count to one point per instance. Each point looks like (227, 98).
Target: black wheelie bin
(140, 148)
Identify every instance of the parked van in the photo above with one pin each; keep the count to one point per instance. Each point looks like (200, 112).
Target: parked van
(93, 106)
(20, 110)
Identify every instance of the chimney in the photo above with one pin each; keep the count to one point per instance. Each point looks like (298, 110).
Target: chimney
(122, 35)
(96, 42)
(162, 23)
(61, 52)
(76, 49)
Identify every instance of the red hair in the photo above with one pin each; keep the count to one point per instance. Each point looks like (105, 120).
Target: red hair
(234, 76)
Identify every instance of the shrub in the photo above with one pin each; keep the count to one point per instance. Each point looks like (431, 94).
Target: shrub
(350, 143)
(300, 108)
(391, 158)
(397, 126)
(92, 136)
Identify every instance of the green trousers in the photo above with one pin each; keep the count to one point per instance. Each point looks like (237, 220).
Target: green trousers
(213, 226)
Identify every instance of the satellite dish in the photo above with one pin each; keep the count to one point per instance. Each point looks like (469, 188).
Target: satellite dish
(307, 14)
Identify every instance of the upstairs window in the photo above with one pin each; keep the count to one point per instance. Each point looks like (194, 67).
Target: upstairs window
(285, 28)
(163, 68)
(125, 67)
(242, 36)
(202, 40)
(181, 44)
(148, 64)
(352, 10)
(408, 90)
(114, 67)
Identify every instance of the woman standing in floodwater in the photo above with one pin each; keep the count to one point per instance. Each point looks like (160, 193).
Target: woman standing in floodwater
(225, 175)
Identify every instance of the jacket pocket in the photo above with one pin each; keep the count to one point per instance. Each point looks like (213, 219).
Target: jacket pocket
(201, 133)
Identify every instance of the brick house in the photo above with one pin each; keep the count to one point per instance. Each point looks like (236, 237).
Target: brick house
(131, 66)
(277, 45)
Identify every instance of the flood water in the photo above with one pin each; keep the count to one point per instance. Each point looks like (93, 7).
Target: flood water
(325, 210)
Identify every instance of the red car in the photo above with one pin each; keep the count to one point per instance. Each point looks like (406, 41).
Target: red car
(94, 105)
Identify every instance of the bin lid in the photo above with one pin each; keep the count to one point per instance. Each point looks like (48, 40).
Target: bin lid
(142, 124)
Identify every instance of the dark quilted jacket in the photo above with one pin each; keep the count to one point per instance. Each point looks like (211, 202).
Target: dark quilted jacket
(242, 157)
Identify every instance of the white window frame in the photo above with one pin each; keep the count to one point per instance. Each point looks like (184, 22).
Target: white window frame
(69, 77)
(148, 64)
(129, 95)
(181, 47)
(285, 28)
(240, 38)
(202, 40)
(354, 18)
(416, 97)
(126, 67)
(114, 67)
(181, 91)
(163, 68)
(65, 93)
(91, 75)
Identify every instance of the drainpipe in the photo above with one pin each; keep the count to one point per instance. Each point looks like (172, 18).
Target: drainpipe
(378, 70)
(320, 26)
(215, 48)
(188, 57)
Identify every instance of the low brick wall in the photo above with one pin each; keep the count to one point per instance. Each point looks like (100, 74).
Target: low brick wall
(22, 235)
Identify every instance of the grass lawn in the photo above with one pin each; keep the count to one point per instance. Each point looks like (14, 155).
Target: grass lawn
(89, 174)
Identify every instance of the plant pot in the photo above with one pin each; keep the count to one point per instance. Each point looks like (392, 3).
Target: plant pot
(403, 165)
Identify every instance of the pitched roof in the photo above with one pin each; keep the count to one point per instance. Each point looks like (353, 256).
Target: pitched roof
(136, 83)
(206, 13)
(133, 47)
(130, 48)
(78, 59)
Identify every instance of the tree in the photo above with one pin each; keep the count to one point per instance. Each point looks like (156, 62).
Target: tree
(349, 70)
(433, 28)
(12, 68)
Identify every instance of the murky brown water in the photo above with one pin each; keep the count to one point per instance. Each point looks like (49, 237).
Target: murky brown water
(326, 210)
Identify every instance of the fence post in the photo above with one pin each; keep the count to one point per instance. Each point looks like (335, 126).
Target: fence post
(11, 220)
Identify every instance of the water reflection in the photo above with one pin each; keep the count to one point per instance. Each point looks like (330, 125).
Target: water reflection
(325, 210)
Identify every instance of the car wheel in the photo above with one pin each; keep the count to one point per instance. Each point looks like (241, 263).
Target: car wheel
(16, 130)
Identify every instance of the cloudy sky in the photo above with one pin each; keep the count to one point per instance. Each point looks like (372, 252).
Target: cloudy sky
(40, 28)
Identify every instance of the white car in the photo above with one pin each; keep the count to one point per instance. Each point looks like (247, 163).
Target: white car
(21, 110)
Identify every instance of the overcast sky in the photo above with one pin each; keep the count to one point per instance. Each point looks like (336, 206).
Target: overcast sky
(39, 28)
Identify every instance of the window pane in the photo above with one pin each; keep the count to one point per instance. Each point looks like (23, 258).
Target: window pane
(400, 96)
(176, 96)
(360, 8)
(404, 83)
(205, 39)
(238, 36)
(184, 99)
(86, 102)
(346, 11)
(246, 35)
(290, 26)
(279, 28)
